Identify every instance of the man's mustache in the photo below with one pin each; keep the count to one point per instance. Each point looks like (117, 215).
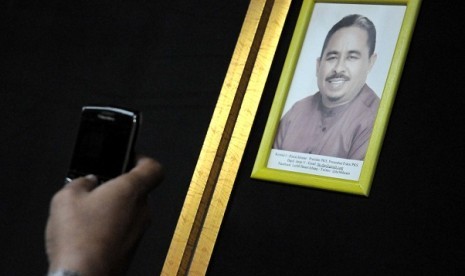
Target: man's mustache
(337, 76)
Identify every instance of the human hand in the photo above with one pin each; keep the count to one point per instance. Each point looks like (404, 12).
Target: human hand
(94, 230)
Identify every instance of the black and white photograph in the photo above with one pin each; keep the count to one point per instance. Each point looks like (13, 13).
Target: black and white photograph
(336, 89)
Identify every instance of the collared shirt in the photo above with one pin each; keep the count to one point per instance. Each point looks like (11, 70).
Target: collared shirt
(343, 131)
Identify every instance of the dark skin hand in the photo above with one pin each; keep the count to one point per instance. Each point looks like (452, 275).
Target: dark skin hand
(94, 230)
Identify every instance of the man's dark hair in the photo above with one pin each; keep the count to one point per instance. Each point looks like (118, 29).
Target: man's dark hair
(355, 20)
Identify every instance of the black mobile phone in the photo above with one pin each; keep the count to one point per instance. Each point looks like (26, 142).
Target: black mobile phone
(105, 142)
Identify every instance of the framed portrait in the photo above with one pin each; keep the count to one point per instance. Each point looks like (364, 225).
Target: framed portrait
(335, 94)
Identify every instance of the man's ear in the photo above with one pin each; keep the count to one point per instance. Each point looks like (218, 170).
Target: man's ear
(372, 61)
(318, 60)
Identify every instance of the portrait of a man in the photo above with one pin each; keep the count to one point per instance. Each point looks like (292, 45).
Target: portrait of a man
(338, 120)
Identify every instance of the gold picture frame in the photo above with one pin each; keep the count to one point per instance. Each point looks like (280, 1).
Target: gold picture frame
(337, 173)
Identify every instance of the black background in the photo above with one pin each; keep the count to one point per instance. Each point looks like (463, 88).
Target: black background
(169, 59)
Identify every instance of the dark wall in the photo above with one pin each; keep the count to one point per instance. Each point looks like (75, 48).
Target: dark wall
(169, 60)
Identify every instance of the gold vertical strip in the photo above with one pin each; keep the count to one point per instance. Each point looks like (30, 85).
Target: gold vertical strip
(211, 157)
(270, 35)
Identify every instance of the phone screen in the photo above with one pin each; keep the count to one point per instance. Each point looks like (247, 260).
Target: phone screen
(104, 143)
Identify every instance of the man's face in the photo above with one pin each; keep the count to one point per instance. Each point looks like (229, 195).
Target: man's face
(344, 66)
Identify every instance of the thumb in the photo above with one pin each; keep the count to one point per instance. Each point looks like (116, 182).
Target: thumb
(145, 176)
